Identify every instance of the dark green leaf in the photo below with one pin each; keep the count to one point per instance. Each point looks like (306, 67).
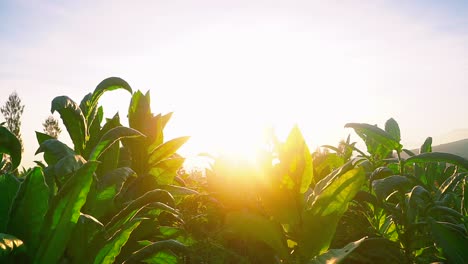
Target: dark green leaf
(453, 243)
(112, 136)
(101, 201)
(245, 225)
(41, 137)
(111, 250)
(9, 144)
(154, 248)
(29, 208)
(73, 119)
(392, 128)
(426, 146)
(439, 157)
(9, 186)
(384, 187)
(54, 150)
(63, 214)
(109, 84)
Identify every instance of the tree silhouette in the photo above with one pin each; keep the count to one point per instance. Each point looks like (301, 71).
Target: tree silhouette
(51, 127)
(12, 111)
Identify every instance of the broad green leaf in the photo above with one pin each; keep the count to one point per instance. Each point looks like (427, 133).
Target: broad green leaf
(63, 214)
(392, 128)
(111, 137)
(85, 230)
(367, 132)
(426, 146)
(139, 112)
(10, 245)
(166, 149)
(73, 119)
(296, 158)
(153, 196)
(109, 84)
(54, 150)
(9, 144)
(380, 173)
(29, 208)
(67, 166)
(336, 256)
(154, 248)
(453, 243)
(162, 257)
(377, 250)
(165, 171)
(384, 187)
(245, 225)
(41, 137)
(111, 250)
(9, 186)
(439, 157)
(327, 207)
(101, 200)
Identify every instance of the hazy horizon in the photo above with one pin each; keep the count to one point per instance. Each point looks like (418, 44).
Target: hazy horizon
(228, 69)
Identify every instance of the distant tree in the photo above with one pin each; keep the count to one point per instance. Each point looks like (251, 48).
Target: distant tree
(51, 127)
(12, 111)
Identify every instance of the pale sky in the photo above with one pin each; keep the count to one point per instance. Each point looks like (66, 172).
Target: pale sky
(229, 68)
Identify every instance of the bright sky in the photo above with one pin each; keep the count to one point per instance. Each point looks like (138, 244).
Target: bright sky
(228, 68)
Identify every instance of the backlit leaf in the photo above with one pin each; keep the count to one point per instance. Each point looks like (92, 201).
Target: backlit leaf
(9, 144)
(73, 119)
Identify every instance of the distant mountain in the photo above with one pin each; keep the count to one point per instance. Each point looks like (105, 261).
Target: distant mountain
(452, 136)
(459, 147)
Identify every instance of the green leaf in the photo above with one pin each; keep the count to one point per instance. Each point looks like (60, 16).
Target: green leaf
(10, 245)
(336, 256)
(73, 119)
(384, 187)
(371, 133)
(9, 186)
(111, 250)
(426, 146)
(109, 84)
(154, 248)
(165, 171)
(327, 207)
(63, 214)
(377, 250)
(166, 149)
(162, 257)
(296, 157)
(101, 201)
(439, 157)
(41, 137)
(135, 205)
(139, 112)
(9, 144)
(112, 136)
(453, 243)
(245, 225)
(54, 150)
(29, 208)
(392, 128)
(67, 166)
